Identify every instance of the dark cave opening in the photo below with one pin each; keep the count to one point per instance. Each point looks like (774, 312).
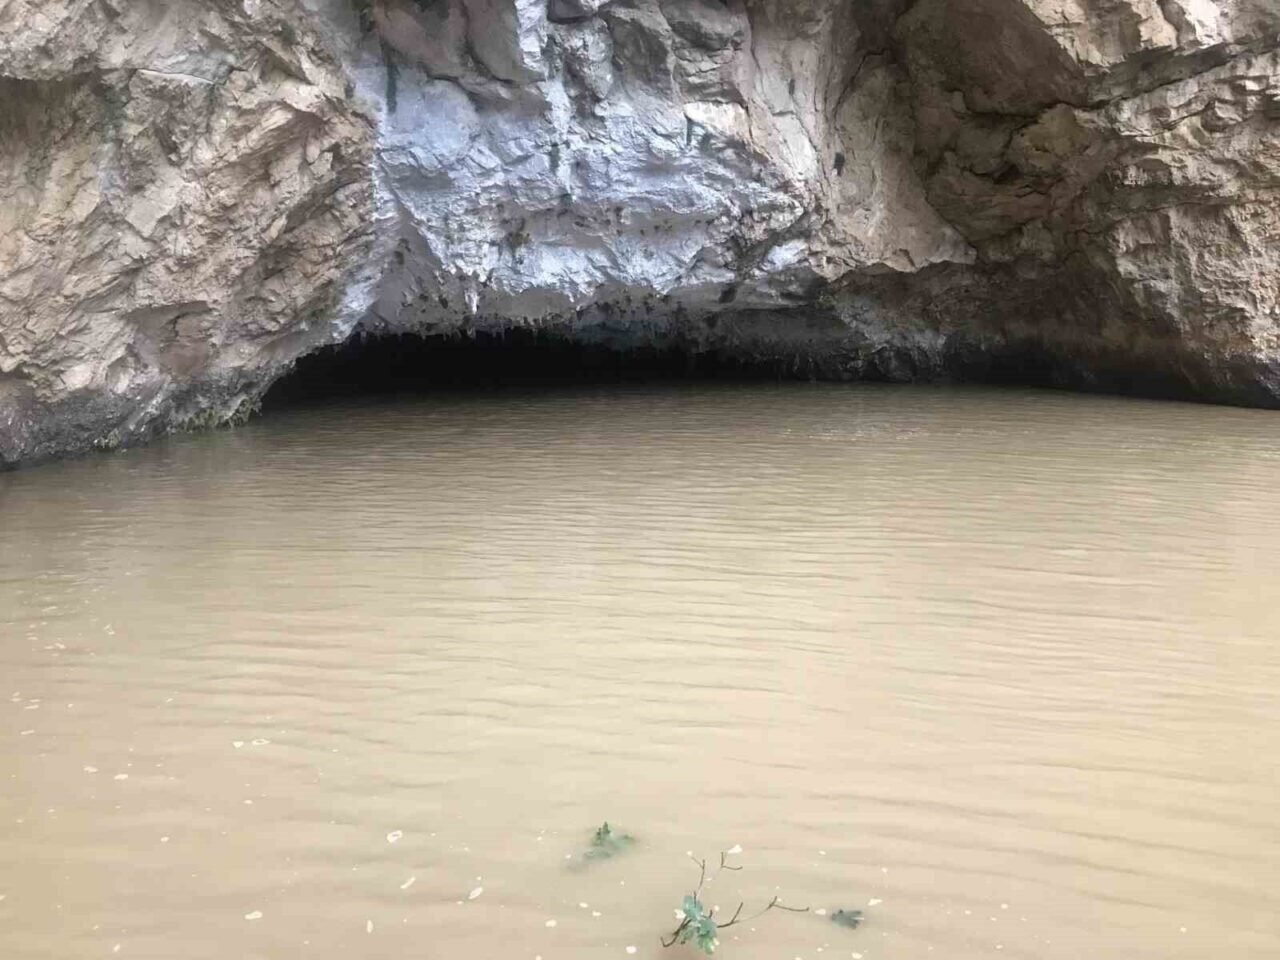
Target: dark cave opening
(386, 367)
(407, 364)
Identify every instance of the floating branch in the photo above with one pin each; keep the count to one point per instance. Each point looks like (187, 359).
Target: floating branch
(700, 926)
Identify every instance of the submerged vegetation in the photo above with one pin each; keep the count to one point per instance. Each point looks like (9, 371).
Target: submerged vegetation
(700, 927)
(847, 918)
(606, 843)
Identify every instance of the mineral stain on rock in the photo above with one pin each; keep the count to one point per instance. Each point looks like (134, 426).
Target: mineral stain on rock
(196, 194)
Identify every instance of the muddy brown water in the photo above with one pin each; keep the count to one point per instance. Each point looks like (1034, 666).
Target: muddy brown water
(998, 668)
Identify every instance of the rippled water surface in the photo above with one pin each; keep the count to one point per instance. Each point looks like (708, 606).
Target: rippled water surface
(1000, 669)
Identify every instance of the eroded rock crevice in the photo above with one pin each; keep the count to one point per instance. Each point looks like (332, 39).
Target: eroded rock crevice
(195, 194)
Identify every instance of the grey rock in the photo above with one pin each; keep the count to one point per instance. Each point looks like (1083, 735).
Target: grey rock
(194, 193)
(567, 11)
(706, 24)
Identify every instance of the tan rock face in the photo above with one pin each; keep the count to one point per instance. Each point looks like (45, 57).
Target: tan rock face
(184, 190)
(193, 193)
(1136, 179)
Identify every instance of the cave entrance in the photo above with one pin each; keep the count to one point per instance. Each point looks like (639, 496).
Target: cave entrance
(387, 366)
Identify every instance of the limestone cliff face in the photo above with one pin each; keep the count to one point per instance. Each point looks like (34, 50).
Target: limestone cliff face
(194, 193)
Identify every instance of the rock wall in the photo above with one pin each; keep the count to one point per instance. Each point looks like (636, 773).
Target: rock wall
(194, 193)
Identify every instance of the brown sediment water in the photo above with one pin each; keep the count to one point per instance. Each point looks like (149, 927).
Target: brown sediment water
(999, 668)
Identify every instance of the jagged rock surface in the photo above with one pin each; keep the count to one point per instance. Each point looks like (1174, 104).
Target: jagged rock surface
(194, 193)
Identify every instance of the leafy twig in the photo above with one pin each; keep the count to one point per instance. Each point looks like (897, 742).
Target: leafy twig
(699, 926)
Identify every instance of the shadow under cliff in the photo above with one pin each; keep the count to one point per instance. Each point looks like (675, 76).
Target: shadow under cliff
(409, 364)
(387, 366)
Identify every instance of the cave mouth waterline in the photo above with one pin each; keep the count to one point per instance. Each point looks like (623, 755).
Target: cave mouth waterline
(387, 366)
(407, 364)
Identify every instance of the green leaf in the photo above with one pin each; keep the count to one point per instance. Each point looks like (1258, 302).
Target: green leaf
(847, 918)
(693, 909)
(698, 926)
(607, 842)
(707, 941)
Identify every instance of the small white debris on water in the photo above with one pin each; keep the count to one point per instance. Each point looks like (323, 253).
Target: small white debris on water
(821, 911)
(260, 742)
(164, 839)
(1180, 929)
(394, 836)
(735, 849)
(679, 914)
(876, 901)
(583, 906)
(597, 913)
(237, 744)
(549, 924)
(822, 853)
(25, 733)
(408, 883)
(475, 893)
(121, 776)
(116, 948)
(856, 956)
(90, 769)
(631, 949)
(368, 926)
(255, 915)
(1004, 906)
